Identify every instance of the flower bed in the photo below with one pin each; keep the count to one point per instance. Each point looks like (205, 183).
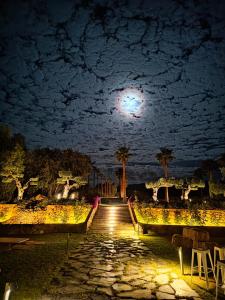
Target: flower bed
(51, 214)
(188, 217)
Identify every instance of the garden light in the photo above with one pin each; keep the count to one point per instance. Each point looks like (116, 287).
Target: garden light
(112, 219)
(58, 196)
(8, 290)
(72, 196)
(180, 253)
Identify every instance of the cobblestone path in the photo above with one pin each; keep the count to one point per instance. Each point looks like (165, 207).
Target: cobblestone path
(107, 267)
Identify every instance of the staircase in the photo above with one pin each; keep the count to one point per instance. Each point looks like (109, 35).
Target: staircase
(112, 219)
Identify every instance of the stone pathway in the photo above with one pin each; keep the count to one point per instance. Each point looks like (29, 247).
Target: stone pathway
(107, 267)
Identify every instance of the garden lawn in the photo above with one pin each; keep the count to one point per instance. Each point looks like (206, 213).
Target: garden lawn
(32, 267)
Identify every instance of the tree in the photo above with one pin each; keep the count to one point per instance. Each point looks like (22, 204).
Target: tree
(154, 185)
(221, 164)
(222, 170)
(79, 163)
(5, 141)
(186, 185)
(49, 162)
(217, 188)
(66, 178)
(13, 170)
(6, 190)
(189, 185)
(209, 166)
(164, 157)
(199, 174)
(122, 155)
(9, 141)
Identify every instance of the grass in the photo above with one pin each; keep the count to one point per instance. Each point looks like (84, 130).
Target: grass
(33, 267)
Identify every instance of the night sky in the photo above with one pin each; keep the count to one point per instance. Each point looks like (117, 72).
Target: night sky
(97, 75)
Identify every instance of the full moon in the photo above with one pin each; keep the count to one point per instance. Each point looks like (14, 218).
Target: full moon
(131, 102)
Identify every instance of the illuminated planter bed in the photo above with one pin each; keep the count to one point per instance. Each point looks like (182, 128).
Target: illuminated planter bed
(53, 218)
(179, 217)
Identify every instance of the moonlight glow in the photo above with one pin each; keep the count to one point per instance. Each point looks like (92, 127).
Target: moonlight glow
(131, 102)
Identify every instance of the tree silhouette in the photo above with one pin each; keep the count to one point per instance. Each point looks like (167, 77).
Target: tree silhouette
(164, 157)
(221, 164)
(122, 154)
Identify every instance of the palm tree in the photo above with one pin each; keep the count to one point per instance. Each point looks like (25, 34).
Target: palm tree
(164, 157)
(122, 155)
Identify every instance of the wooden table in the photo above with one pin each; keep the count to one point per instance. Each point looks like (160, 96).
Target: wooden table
(12, 241)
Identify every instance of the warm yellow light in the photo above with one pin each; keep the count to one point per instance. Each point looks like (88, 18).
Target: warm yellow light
(112, 209)
(72, 196)
(58, 196)
(180, 253)
(173, 216)
(112, 219)
(7, 291)
(53, 214)
(111, 223)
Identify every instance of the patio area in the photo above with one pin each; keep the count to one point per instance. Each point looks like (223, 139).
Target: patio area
(100, 266)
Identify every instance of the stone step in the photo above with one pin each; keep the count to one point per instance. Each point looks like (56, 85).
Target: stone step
(111, 225)
(125, 218)
(114, 218)
(112, 228)
(116, 213)
(102, 221)
(120, 212)
(106, 217)
(112, 221)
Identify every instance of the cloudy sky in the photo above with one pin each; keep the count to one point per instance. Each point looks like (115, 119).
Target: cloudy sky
(96, 75)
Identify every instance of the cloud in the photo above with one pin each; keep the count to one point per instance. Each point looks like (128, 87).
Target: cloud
(62, 69)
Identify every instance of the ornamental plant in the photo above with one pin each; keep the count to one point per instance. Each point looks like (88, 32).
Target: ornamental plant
(69, 181)
(13, 171)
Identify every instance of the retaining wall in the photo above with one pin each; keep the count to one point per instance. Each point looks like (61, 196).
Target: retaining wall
(53, 218)
(180, 217)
